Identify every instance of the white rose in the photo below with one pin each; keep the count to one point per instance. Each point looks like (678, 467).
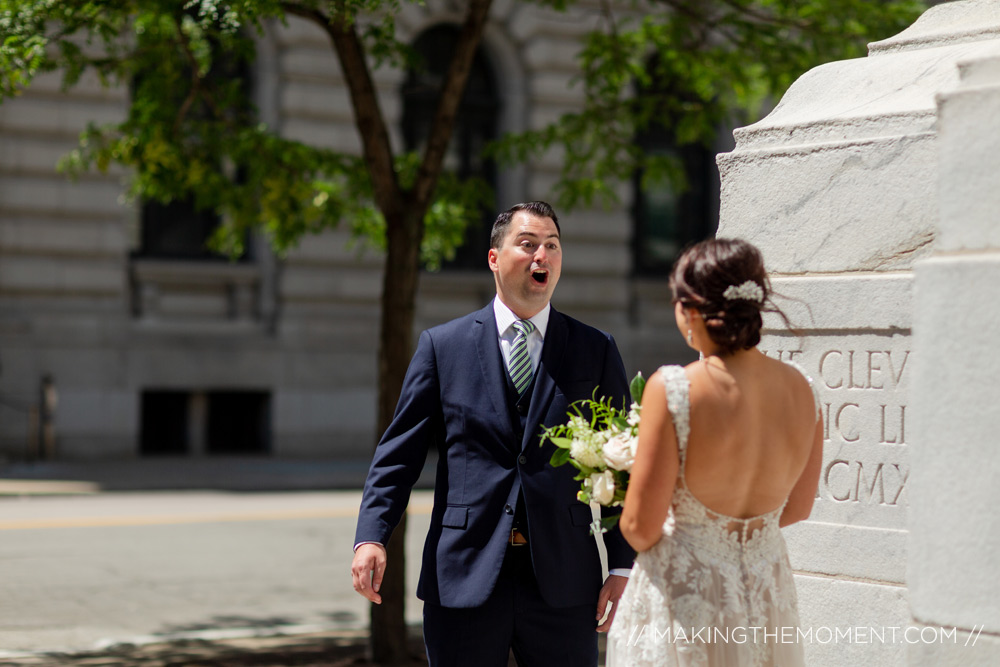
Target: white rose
(602, 486)
(619, 452)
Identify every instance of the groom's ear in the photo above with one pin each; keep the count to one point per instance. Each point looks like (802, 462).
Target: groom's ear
(491, 259)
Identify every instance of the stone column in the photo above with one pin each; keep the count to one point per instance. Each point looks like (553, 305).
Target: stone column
(838, 186)
(954, 541)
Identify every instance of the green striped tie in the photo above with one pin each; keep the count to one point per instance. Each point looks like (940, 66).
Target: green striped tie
(519, 363)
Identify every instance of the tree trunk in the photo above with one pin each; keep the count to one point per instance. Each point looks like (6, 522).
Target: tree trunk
(404, 218)
(399, 292)
(388, 638)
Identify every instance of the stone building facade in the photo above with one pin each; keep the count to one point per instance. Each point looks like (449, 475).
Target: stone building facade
(151, 353)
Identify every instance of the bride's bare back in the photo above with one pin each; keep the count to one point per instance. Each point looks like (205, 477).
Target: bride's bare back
(755, 440)
(753, 428)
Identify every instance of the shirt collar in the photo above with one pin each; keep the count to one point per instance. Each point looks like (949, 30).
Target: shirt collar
(505, 317)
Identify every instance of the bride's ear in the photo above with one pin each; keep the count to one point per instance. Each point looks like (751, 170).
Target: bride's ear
(681, 313)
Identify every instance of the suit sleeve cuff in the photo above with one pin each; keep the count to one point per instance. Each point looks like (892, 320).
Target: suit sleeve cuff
(371, 542)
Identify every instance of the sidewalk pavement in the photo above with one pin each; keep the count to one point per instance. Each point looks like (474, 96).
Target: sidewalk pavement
(341, 649)
(188, 473)
(242, 474)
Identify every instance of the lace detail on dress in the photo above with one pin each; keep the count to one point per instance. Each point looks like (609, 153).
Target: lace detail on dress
(678, 396)
(715, 590)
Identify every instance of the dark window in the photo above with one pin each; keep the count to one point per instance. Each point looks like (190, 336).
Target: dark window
(475, 125)
(180, 423)
(239, 422)
(179, 229)
(164, 423)
(668, 218)
(176, 230)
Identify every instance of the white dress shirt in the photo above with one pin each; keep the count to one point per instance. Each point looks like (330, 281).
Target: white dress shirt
(506, 318)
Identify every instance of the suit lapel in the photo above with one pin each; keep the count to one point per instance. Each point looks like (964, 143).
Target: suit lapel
(488, 349)
(553, 351)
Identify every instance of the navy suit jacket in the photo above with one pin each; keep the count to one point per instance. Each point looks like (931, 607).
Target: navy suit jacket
(454, 396)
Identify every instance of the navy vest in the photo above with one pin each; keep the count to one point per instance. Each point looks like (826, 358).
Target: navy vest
(517, 408)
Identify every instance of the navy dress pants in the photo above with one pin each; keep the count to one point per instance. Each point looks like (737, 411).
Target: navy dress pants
(516, 618)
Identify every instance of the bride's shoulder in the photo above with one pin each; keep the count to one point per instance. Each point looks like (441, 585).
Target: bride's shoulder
(795, 372)
(798, 375)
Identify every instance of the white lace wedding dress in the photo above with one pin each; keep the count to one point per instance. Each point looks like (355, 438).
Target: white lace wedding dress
(715, 590)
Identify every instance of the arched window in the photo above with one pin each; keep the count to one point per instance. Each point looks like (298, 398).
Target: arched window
(475, 125)
(666, 218)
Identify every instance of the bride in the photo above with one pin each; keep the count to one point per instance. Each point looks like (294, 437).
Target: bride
(729, 451)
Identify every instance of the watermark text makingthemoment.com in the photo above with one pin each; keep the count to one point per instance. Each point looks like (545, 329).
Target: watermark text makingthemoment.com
(796, 635)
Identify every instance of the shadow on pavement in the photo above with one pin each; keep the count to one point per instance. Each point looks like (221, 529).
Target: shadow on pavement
(343, 649)
(321, 650)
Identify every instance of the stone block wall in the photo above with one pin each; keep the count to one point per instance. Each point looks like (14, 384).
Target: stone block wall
(843, 186)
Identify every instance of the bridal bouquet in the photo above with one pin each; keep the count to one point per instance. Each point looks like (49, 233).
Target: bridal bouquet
(599, 441)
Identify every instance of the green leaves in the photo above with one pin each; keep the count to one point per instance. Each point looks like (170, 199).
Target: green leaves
(191, 131)
(673, 66)
(688, 69)
(636, 387)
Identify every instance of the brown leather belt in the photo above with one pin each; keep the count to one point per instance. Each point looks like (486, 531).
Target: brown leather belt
(517, 538)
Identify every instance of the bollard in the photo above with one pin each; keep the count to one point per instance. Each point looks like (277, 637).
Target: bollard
(49, 399)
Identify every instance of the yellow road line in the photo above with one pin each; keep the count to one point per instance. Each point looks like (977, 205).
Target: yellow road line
(172, 519)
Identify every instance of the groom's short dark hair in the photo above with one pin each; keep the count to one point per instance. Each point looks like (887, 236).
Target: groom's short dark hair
(502, 224)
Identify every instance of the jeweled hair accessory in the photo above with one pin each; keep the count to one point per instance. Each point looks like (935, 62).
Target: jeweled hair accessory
(748, 291)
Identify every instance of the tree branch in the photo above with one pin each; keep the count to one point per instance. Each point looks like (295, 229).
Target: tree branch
(196, 81)
(367, 114)
(451, 95)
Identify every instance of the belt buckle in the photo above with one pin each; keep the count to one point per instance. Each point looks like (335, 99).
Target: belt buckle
(517, 538)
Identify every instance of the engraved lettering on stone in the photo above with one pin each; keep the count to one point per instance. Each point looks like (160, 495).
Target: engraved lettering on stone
(861, 484)
(840, 420)
(823, 372)
(872, 367)
(902, 482)
(826, 421)
(826, 479)
(850, 372)
(896, 434)
(850, 481)
(902, 366)
(861, 369)
(782, 355)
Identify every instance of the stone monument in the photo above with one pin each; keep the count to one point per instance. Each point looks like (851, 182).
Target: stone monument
(849, 184)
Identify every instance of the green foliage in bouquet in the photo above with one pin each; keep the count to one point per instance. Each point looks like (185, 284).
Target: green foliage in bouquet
(599, 440)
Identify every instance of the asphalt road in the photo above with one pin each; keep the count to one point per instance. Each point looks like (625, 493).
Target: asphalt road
(85, 572)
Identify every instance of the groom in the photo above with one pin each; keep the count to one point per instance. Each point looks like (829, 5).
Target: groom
(509, 562)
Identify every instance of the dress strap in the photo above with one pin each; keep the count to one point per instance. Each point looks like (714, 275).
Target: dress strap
(812, 386)
(678, 390)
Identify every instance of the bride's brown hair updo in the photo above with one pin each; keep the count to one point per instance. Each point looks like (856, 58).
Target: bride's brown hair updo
(700, 279)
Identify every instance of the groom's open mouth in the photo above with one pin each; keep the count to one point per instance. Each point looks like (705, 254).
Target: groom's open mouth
(540, 276)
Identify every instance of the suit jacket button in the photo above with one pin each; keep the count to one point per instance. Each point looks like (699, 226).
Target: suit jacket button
(508, 509)
(522, 459)
(522, 408)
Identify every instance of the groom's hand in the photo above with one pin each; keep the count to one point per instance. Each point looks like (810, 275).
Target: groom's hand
(367, 570)
(611, 592)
